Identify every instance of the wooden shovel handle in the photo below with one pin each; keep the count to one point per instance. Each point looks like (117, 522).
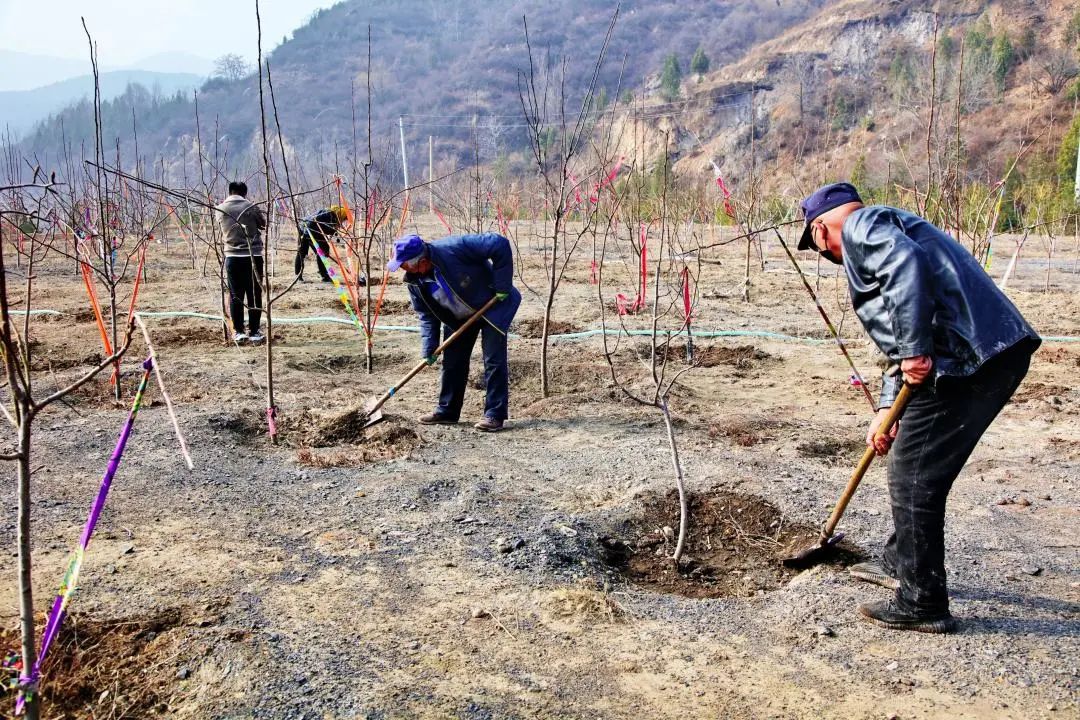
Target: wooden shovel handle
(895, 412)
(438, 351)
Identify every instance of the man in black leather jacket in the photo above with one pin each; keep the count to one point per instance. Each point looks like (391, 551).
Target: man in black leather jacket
(962, 346)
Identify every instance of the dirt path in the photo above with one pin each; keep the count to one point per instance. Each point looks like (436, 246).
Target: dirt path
(470, 577)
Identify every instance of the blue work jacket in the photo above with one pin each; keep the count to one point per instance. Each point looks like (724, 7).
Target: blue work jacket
(475, 267)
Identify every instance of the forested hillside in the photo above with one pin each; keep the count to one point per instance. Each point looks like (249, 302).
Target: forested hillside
(440, 64)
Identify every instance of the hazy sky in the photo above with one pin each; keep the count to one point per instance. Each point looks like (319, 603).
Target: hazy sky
(128, 30)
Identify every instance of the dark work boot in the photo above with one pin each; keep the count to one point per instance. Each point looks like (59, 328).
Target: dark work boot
(436, 419)
(887, 615)
(873, 572)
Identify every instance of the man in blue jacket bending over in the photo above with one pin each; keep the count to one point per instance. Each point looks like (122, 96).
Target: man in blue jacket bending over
(450, 279)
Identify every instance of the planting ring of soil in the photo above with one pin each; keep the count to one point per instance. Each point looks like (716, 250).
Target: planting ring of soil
(734, 547)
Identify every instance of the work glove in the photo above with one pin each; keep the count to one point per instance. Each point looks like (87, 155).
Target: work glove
(431, 359)
(500, 296)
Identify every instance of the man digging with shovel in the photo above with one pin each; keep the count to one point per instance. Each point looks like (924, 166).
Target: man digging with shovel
(963, 349)
(449, 281)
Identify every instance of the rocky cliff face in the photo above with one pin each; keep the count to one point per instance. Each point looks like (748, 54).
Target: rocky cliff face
(852, 82)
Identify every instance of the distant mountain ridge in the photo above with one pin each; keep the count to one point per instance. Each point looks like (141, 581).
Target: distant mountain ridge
(31, 71)
(21, 109)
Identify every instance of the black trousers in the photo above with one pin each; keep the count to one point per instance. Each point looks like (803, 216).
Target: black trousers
(455, 371)
(937, 434)
(244, 276)
(303, 247)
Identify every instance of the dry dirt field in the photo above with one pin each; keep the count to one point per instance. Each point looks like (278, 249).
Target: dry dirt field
(415, 572)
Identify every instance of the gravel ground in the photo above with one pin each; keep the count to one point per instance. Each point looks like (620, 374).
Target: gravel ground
(468, 578)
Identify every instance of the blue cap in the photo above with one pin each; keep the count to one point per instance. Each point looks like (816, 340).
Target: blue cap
(407, 248)
(822, 201)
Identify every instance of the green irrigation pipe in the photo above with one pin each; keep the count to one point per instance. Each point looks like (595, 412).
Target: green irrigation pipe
(554, 338)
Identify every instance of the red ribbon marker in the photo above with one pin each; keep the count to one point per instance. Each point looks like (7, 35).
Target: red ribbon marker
(443, 221)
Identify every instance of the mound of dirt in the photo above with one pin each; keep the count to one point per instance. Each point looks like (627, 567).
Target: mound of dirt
(747, 431)
(326, 441)
(735, 545)
(113, 668)
(1031, 391)
(205, 334)
(835, 452)
(534, 327)
(742, 357)
(63, 358)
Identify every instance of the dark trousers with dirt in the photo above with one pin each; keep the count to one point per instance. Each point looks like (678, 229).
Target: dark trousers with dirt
(244, 276)
(304, 245)
(940, 428)
(455, 371)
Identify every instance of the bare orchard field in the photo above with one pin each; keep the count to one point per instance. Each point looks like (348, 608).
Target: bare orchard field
(407, 571)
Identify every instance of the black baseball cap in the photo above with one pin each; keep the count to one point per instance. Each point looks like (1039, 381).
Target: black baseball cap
(822, 201)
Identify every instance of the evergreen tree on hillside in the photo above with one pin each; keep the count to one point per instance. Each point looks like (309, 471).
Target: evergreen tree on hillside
(1002, 59)
(699, 64)
(1066, 159)
(670, 78)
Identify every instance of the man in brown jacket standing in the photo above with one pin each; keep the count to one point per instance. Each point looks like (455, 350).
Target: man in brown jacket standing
(241, 222)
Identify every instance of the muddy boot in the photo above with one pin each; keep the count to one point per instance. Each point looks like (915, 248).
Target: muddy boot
(872, 572)
(887, 615)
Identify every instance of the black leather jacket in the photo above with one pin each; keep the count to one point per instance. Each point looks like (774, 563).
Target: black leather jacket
(919, 292)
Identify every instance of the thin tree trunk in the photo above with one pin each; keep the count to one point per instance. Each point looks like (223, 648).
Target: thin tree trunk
(26, 587)
(684, 504)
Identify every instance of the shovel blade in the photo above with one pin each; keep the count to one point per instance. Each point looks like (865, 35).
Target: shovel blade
(814, 554)
(373, 414)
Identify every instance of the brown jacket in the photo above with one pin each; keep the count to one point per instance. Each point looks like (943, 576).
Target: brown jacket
(241, 221)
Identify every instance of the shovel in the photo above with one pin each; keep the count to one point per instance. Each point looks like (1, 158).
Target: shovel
(373, 408)
(816, 553)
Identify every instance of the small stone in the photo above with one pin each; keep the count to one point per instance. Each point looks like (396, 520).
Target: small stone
(129, 550)
(1023, 502)
(824, 631)
(479, 612)
(182, 674)
(892, 666)
(1032, 570)
(508, 545)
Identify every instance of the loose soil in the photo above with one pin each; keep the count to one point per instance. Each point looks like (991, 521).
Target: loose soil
(123, 668)
(534, 327)
(310, 433)
(735, 545)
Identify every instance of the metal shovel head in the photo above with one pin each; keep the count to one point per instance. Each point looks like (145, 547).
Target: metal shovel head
(814, 554)
(374, 417)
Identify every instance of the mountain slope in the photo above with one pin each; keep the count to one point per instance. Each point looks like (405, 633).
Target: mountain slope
(440, 64)
(848, 92)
